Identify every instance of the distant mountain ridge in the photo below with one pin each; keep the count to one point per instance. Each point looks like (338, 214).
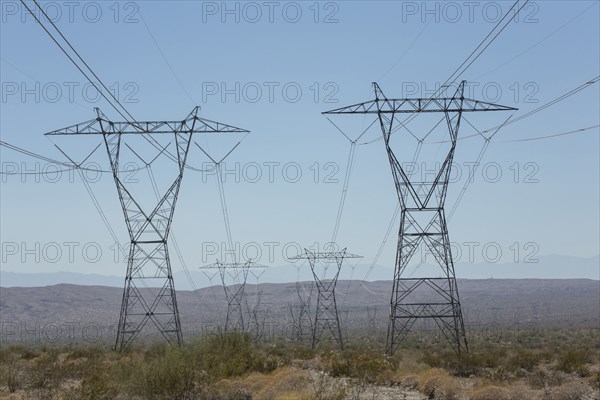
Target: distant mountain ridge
(548, 267)
(43, 313)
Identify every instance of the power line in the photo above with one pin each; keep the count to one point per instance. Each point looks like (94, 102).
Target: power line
(346, 183)
(540, 41)
(70, 166)
(407, 50)
(122, 110)
(552, 102)
(392, 221)
(165, 59)
(532, 112)
(172, 236)
(476, 53)
(458, 72)
(471, 58)
(571, 132)
(71, 58)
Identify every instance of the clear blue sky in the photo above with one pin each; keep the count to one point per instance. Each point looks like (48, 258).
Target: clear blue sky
(548, 193)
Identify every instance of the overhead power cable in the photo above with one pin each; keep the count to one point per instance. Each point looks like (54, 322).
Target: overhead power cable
(70, 166)
(166, 60)
(534, 111)
(571, 132)
(121, 110)
(475, 54)
(469, 60)
(593, 3)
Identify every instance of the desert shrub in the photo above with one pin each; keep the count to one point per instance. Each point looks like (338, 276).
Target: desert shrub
(336, 364)
(87, 352)
(410, 382)
(573, 361)
(227, 390)
(512, 392)
(491, 393)
(541, 378)
(466, 364)
(365, 367)
(568, 391)
(524, 359)
(96, 386)
(300, 352)
(46, 374)
(21, 351)
(170, 376)
(10, 372)
(230, 355)
(596, 381)
(284, 383)
(437, 384)
(325, 387)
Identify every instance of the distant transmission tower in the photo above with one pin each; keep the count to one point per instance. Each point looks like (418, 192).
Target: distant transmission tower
(300, 312)
(422, 218)
(148, 261)
(372, 318)
(326, 317)
(233, 277)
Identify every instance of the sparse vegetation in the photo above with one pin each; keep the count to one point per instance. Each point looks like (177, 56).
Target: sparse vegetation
(232, 367)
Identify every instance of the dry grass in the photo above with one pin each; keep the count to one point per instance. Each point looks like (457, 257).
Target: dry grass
(283, 383)
(438, 384)
(234, 368)
(513, 392)
(568, 391)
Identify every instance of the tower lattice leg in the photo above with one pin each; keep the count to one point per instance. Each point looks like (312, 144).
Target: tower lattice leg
(149, 293)
(327, 318)
(142, 304)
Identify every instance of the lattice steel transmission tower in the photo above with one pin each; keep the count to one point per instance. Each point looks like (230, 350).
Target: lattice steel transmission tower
(233, 277)
(326, 317)
(422, 218)
(148, 263)
(301, 312)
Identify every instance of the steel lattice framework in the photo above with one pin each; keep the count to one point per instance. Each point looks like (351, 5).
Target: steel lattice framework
(148, 229)
(326, 317)
(300, 312)
(237, 272)
(422, 218)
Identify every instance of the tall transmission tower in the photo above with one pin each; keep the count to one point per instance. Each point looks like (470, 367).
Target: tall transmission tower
(422, 218)
(327, 316)
(300, 311)
(148, 261)
(234, 276)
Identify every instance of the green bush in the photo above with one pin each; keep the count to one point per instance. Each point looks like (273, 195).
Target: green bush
(365, 367)
(573, 362)
(524, 359)
(170, 376)
(467, 364)
(224, 356)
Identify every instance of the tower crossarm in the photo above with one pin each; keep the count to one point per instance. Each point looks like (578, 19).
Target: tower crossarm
(384, 105)
(419, 105)
(325, 255)
(191, 124)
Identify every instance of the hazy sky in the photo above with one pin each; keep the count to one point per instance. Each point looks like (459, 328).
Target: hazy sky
(272, 68)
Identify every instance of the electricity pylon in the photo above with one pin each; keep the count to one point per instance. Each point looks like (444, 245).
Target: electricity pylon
(148, 260)
(326, 317)
(234, 276)
(422, 218)
(300, 313)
